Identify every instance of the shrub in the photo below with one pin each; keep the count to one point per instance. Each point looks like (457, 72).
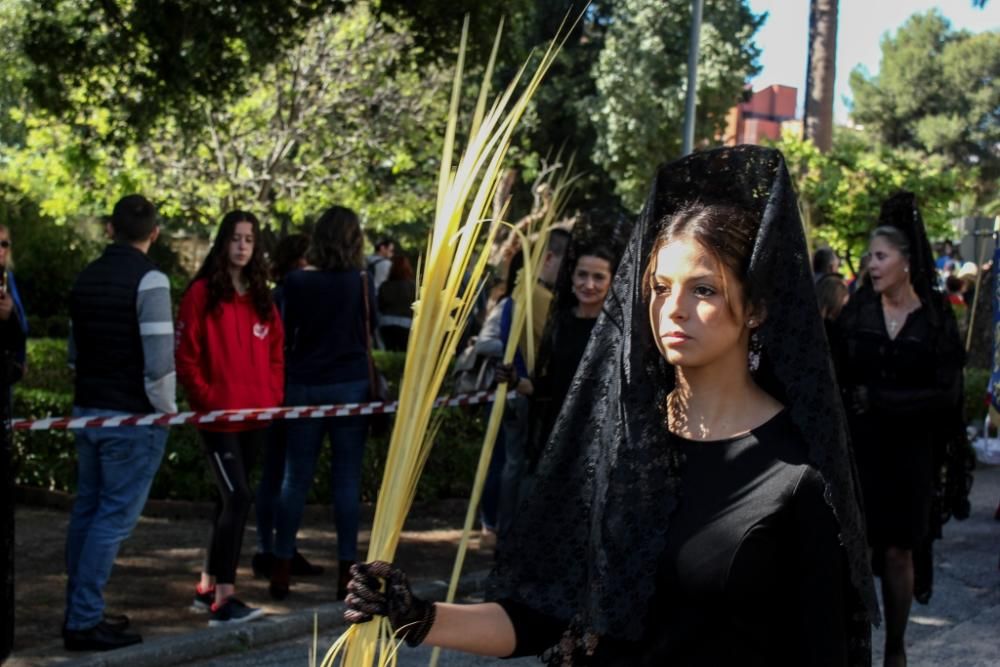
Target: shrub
(977, 382)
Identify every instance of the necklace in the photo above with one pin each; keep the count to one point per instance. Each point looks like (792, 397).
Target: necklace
(895, 321)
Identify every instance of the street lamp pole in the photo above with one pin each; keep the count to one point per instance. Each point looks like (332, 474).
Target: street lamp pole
(692, 81)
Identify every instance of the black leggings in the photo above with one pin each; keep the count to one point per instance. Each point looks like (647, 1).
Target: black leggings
(231, 457)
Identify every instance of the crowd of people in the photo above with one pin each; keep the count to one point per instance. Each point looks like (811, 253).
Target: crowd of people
(718, 447)
(238, 343)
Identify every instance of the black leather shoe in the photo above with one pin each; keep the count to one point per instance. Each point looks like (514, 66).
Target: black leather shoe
(116, 622)
(101, 637)
(303, 568)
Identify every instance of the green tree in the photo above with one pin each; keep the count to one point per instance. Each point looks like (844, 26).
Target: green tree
(150, 58)
(640, 75)
(848, 184)
(936, 91)
(154, 59)
(347, 115)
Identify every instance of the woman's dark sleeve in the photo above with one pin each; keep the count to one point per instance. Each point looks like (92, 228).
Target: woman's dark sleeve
(948, 359)
(822, 575)
(369, 285)
(535, 632)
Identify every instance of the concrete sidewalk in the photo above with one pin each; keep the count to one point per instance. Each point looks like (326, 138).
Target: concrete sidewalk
(158, 565)
(247, 640)
(960, 627)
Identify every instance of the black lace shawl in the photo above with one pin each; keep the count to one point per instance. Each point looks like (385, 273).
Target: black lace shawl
(901, 212)
(586, 544)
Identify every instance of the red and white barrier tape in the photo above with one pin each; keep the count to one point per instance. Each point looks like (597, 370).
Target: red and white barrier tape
(251, 415)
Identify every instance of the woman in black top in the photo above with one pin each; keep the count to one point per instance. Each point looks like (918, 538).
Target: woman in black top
(900, 369)
(696, 502)
(395, 304)
(329, 317)
(586, 282)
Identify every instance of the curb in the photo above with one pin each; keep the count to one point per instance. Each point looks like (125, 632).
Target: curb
(213, 642)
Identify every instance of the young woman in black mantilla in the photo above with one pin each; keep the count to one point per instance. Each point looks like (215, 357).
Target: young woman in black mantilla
(696, 502)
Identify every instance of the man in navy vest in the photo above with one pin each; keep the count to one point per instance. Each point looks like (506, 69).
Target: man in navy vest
(121, 348)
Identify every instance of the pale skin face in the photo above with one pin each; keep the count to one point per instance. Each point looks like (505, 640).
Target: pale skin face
(240, 248)
(693, 324)
(591, 281)
(888, 267)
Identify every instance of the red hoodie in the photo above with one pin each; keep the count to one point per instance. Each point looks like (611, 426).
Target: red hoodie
(228, 359)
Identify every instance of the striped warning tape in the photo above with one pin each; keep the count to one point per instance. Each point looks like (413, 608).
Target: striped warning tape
(249, 415)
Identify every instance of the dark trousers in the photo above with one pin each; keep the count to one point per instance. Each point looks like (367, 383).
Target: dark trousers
(231, 457)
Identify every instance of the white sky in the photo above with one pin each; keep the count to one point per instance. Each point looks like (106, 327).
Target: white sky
(784, 36)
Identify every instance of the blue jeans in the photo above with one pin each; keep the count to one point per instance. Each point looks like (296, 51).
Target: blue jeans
(115, 469)
(489, 504)
(514, 479)
(305, 439)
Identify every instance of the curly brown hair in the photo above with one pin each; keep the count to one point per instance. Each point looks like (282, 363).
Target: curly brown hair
(215, 268)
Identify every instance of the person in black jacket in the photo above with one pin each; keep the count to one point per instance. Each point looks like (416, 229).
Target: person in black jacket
(122, 351)
(901, 359)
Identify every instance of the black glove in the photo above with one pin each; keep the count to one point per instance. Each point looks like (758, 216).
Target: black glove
(506, 373)
(411, 618)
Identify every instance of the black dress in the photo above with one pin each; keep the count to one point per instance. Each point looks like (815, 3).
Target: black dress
(897, 393)
(752, 574)
(560, 355)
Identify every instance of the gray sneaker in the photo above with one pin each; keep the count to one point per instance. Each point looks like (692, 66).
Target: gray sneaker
(233, 611)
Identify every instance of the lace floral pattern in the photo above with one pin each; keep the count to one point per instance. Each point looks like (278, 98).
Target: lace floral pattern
(586, 544)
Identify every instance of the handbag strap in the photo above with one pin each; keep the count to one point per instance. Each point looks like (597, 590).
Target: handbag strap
(368, 334)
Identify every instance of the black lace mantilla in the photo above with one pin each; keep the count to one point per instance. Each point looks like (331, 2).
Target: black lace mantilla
(586, 545)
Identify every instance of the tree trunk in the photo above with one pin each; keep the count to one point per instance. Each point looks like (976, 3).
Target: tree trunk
(821, 72)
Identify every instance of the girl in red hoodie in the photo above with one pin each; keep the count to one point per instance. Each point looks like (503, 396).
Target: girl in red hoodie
(230, 356)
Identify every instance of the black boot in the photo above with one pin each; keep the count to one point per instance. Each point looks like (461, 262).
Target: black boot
(261, 564)
(281, 572)
(303, 568)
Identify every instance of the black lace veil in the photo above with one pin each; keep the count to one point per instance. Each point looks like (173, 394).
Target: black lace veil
(585, 546)
(900, 211)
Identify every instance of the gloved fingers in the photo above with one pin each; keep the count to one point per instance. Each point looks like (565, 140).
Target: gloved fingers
(368, 589)
(356, 616)
(374, 605)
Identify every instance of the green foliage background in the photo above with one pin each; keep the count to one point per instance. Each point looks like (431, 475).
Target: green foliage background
(841, 191)
(47, 459)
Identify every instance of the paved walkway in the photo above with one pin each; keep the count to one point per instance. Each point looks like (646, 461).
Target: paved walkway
(959, 628)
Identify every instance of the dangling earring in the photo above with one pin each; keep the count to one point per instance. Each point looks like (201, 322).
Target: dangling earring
(755, 349)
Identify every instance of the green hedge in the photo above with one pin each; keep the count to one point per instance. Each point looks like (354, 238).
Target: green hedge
(47, 459)
(977, 382)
